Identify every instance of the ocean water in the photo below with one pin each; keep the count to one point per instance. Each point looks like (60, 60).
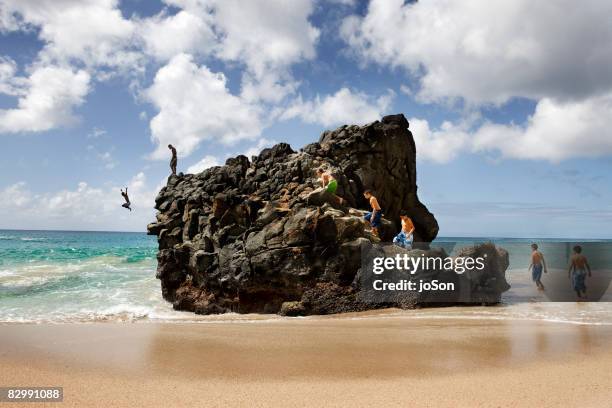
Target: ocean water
(58, 276)
(78, 276)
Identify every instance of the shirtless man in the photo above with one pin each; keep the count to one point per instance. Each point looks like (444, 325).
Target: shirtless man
(537, 265)
(405, 236)
(127, 203)
(579, 265)
(374, 216)
(329, 183)
(174, 159)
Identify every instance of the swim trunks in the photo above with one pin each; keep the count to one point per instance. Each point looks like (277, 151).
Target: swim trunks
(376, 221)
(536, 272)
(332, 186)
(402, 240)
(578, 278)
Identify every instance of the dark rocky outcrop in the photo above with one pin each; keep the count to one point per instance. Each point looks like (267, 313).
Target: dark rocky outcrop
(260, 236)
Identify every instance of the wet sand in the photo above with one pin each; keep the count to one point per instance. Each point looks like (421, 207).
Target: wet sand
(329, 361)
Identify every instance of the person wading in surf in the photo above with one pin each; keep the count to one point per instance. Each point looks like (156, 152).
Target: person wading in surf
(578, 269)
(538, 264)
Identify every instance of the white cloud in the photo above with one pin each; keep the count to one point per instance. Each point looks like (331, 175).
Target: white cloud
(206, 162)
(345, 106)
(438, 145)
(283, 35)
(556, 131)
(82, 40)
(91, 31)
(15, 196)
(48, 98)
(166, 35)
(10, 83)
(224, 29)
(489, 52)
(84, 207)
(486, 51)
(195, 105)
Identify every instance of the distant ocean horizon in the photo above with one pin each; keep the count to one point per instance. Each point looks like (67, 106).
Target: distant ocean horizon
(88, 276)
(441, 237)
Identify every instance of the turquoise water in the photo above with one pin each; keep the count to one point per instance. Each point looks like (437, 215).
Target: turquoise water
(57, 276)
(68, 276)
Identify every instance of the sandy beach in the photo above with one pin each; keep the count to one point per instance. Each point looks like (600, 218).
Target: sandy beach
(353, 360)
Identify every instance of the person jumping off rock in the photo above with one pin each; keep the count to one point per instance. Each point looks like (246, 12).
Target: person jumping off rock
(329, 183)
(174, 160)
(405, 236)
(537, 265)
(127, 203)
(579, 265)
(374, 216)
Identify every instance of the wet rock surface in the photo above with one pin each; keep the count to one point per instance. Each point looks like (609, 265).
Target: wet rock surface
(261, 236)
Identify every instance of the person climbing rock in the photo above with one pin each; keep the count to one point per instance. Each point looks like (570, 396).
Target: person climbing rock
(374, 216)
(174, 160)
(127, 203)
(329, 183)
(405, 236)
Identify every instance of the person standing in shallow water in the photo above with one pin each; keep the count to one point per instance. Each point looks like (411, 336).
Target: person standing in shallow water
(538, 264)
(579, 266)
(174, 160)
(127, 203)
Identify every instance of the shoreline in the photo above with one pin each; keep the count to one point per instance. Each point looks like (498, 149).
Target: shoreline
(314, 362)
(537, 310)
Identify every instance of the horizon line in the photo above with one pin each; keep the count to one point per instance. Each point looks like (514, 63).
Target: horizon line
(440, 236)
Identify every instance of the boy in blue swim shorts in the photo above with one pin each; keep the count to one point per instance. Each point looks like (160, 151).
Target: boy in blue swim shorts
(404, 238)
(579, 266)
(538, 264)
(374, 216)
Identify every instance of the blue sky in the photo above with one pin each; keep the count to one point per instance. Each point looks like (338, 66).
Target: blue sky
(508, 103)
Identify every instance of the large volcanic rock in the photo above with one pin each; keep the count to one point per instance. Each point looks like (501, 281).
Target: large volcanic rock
(260, 236)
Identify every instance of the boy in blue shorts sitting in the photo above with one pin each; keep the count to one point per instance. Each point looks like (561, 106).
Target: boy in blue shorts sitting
(404, 238)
